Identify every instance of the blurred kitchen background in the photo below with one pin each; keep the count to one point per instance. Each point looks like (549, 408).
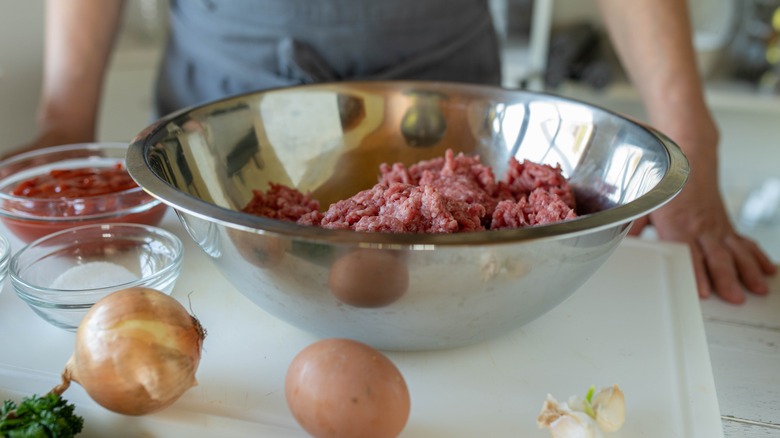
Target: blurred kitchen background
(552, 45)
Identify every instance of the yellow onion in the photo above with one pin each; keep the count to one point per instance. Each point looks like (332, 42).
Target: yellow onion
(137, 351)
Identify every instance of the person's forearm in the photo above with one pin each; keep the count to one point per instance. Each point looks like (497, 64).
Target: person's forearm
(653, 41)
(79, 37)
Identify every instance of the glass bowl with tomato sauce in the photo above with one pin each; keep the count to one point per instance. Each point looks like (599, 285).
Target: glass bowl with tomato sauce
(56, 188)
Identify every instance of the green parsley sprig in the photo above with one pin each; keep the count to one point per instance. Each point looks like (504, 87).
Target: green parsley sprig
(46, 417)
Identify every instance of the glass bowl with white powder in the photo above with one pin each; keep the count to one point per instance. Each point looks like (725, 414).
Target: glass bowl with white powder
(62, 275)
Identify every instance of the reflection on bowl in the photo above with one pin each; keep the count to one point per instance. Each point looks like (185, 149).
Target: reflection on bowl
(369, 277)
(49, 210)
(440, 290)
(62, 275)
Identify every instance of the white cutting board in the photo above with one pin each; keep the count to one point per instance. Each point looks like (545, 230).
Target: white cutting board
(636, 323)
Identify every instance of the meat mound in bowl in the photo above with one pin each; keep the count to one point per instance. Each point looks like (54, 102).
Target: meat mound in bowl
(449, 194)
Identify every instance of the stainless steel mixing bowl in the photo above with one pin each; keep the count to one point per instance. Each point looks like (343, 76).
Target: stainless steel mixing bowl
(400, 291)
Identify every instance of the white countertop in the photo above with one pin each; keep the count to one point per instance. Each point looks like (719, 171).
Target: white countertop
(658, 356)
(744, 345)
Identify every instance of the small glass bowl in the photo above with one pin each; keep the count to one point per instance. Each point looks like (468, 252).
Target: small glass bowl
(5, 256)
(30, 218)
(62, 275)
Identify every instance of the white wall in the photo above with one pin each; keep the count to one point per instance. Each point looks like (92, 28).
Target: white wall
(21, 48)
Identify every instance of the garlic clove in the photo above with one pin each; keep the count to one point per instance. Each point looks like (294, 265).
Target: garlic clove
(551, 411)
(575, 425)
(577, 403)
(563, 422)
(609, 405)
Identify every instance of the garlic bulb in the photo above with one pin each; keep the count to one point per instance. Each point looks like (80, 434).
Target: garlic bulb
(584, 418)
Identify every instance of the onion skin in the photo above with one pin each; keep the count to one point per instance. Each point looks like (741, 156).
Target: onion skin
(137, 351)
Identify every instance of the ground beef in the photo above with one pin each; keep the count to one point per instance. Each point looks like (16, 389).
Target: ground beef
(455, 177)
(523, 178)
(539, 208)
(451, 165)
(403, 208)
(449, 194)
(282, 203)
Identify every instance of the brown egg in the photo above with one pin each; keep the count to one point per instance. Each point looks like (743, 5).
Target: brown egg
(258, 249)
(344, 388)
(369, 277)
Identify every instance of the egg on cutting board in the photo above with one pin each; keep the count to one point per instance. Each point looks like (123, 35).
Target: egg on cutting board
(344, 388)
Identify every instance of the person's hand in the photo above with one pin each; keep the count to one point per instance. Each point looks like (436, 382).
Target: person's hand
(725, 262)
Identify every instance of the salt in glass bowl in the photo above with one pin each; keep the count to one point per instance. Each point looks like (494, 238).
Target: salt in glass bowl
(62, 275)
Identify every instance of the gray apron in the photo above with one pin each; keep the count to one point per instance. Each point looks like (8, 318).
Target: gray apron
(219, 48)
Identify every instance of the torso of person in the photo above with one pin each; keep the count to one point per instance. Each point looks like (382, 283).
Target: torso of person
(219, 48)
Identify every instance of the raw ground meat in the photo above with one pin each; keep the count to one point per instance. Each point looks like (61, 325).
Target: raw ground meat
(523, 178)
(449, 194)
(282, 203)
(539, 208)
(404, 208)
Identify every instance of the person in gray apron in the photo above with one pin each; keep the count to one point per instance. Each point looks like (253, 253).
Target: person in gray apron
(218, 48)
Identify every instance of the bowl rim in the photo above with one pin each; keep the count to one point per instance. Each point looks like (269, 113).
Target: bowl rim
(93, 147)
(5, 256)
(45, 295)
(5, 247)
(670, 184)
